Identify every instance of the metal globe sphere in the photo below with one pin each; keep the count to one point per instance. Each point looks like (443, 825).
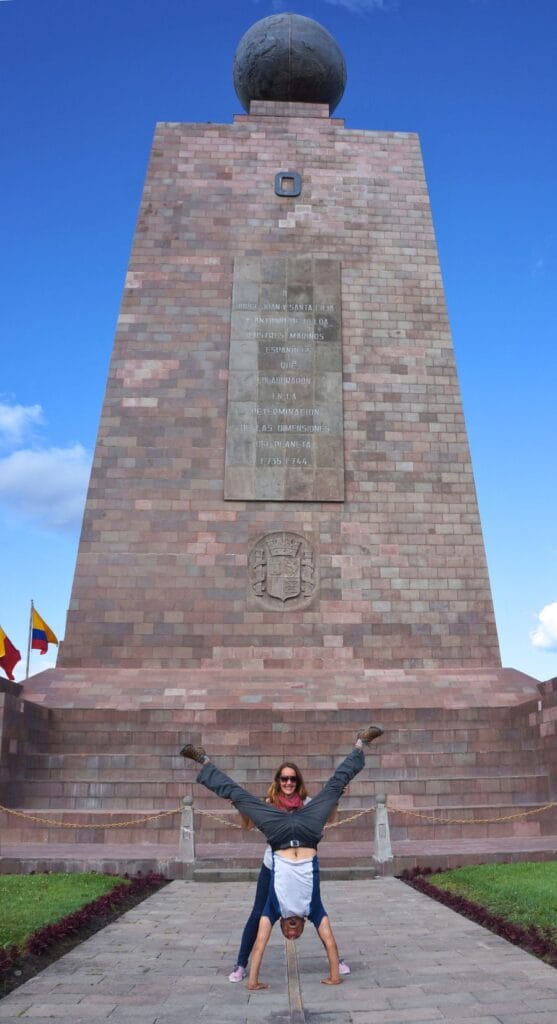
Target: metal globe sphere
(289, 57)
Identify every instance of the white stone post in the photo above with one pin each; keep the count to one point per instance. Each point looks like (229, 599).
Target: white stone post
(382, 840)
(186, 843)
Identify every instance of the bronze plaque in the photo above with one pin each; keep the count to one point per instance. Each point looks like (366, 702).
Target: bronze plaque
(284, 431)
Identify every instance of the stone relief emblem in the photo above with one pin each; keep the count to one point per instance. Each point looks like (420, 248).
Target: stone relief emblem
(282, 569)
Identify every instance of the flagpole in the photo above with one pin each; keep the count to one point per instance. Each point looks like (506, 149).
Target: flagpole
(29, 639)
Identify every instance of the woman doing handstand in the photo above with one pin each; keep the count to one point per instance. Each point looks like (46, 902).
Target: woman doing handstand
(287, 792)
(294, 893)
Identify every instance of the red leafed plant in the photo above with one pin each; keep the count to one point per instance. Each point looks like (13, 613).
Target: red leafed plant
(538, 941)
(17, 964)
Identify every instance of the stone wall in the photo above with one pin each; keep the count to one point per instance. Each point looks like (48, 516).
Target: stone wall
(163, 575)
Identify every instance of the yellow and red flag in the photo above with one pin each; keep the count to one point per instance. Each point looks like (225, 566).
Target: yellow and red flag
(9, 655)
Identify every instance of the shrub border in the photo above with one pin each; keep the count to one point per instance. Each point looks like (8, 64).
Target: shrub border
(538, 941)
(20, 963)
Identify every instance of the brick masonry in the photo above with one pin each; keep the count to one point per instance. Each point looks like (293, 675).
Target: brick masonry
(167, 636)
(450, 772)
(162, 572)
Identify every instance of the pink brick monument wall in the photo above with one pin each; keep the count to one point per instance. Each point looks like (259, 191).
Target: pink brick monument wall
(281, 539)
(167, 571)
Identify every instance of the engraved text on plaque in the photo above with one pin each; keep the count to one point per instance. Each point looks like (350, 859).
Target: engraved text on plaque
(284, 433)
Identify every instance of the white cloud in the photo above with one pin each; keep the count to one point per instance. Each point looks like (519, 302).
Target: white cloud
(37, 663)
(16, 421)
(544, 636)
(356, 6)
(361, 6)
(47, 487)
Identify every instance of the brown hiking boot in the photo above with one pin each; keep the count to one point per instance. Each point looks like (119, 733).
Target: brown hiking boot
(371, 733)
(194, 753)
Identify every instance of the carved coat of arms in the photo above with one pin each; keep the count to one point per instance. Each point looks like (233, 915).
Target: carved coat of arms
(281, 568)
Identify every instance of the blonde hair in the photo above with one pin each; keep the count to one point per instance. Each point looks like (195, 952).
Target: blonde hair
(274, 789)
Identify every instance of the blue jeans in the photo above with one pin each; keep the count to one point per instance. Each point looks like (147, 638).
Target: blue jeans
(316, 909)
(252, 924)
(265, 900)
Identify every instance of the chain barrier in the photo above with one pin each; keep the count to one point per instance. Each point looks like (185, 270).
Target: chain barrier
(358, 814)
(223, 821)
(332, 824)
(472, 821)
(435, 819)
(102, 824)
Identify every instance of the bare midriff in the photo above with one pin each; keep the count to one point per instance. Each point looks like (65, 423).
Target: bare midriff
(297, 853)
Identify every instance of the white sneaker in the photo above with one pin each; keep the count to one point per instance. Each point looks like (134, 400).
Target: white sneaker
(343, 968)
(239, 973)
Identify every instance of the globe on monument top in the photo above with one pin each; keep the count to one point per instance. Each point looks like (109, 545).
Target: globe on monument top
(290, 58)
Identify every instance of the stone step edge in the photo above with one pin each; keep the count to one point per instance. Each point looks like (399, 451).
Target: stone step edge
(127, 812)
(175, 718)
(535, 773)
(239, 750)
(401, 798)
(169, 730)
(231, 812)
(211, 873)
(112, 811)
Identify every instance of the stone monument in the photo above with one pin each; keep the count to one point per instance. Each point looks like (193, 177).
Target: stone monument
(282, 463)
(281, 525)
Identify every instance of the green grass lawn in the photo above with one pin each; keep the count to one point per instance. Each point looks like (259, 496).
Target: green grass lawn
(525, 894)
(29, 902)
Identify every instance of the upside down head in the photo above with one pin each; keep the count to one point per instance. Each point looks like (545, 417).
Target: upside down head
(292, 927)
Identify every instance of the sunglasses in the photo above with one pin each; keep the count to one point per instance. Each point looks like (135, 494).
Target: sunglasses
(288, 778)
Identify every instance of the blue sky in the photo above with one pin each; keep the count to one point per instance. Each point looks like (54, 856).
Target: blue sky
(84, 82)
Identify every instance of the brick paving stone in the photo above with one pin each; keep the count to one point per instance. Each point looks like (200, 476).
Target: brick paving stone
(363, 1018)
(544, 1017)
(413, 962)
(15, 1008)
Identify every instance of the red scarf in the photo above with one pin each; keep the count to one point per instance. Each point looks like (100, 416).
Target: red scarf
(288, 803)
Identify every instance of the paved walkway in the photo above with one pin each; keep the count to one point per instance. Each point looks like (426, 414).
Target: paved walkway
(413, 962)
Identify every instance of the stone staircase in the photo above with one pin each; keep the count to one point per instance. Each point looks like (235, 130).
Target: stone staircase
(93, 768)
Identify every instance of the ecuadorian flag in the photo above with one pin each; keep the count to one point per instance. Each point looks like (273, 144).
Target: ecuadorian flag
(42, 634)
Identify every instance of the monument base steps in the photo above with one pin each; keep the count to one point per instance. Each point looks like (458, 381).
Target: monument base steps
(214, 863)
(462, 776)
(254, 680)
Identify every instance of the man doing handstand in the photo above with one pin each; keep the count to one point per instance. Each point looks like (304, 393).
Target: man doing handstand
(294, 892)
